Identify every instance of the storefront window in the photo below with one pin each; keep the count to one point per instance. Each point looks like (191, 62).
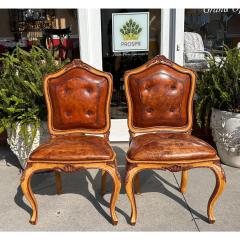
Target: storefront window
(217, 27)
(54, 29)
(139, 37)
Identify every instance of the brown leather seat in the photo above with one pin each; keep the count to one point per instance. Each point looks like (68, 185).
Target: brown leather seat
(169, 147)
(74, 148)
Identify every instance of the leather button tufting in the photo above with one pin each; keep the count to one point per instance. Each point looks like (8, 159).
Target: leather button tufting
(67, 90)
(68, 114)
(89, 90)
(146, 90)
(89, 112)
(149, 110)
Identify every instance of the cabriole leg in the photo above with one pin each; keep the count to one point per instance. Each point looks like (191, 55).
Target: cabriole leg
(129, 185)
(27, 191)
(112, 170)
(220, 183)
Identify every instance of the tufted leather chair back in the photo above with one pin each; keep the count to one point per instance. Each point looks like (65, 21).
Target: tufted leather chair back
(78, 99)
(160, 95)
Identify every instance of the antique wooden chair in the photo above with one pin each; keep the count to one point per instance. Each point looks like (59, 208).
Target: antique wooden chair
(78, 101)
(160, 96)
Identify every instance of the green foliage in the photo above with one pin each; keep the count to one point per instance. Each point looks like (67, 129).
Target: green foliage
(21, 88)
(219, 86)
(130, 30)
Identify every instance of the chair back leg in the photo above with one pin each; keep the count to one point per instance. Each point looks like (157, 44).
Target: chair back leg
(104, 182)
(184, 181)
(58, 182)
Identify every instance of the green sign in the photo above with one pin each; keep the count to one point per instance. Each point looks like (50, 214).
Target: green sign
(130, 31)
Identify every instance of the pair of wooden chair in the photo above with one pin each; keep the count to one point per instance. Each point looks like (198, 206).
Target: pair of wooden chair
(160, 98)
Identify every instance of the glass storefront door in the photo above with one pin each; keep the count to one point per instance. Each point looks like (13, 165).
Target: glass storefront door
(117, 62)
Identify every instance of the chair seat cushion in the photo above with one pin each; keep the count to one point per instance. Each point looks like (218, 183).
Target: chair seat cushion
(169, 147)
(74, 148)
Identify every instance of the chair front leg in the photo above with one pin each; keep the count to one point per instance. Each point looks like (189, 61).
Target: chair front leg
(27, 191)
(220, 183)
(129, 185)
(113, 172)
(184, 181)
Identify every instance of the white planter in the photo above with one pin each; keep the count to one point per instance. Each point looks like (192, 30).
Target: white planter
(226, 134)
(18, 146)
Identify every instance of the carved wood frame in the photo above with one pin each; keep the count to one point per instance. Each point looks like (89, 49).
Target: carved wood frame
(68, 167)
(132, 170)
(134, 167)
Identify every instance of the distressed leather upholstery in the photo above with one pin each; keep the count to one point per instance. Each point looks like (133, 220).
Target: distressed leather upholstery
(159, 97)
(78, 98)
(158, 147)
(74, 148)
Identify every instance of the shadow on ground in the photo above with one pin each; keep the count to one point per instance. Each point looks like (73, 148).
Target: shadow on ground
(9, 157)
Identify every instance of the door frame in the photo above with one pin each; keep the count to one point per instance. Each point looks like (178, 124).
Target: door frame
(90, 42)
(177, 35)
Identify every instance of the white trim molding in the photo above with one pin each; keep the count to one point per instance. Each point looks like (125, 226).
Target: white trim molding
(179, 35)
(165, 27)
(90, 36)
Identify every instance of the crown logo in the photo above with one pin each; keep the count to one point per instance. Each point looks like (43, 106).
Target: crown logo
(130, 30)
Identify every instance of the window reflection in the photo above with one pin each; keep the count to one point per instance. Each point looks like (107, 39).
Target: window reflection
(216, 26)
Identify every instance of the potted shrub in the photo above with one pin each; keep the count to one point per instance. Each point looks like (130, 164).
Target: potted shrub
(23, 111)
(218, 94)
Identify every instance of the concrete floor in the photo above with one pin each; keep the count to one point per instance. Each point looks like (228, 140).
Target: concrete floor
(161, 207)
